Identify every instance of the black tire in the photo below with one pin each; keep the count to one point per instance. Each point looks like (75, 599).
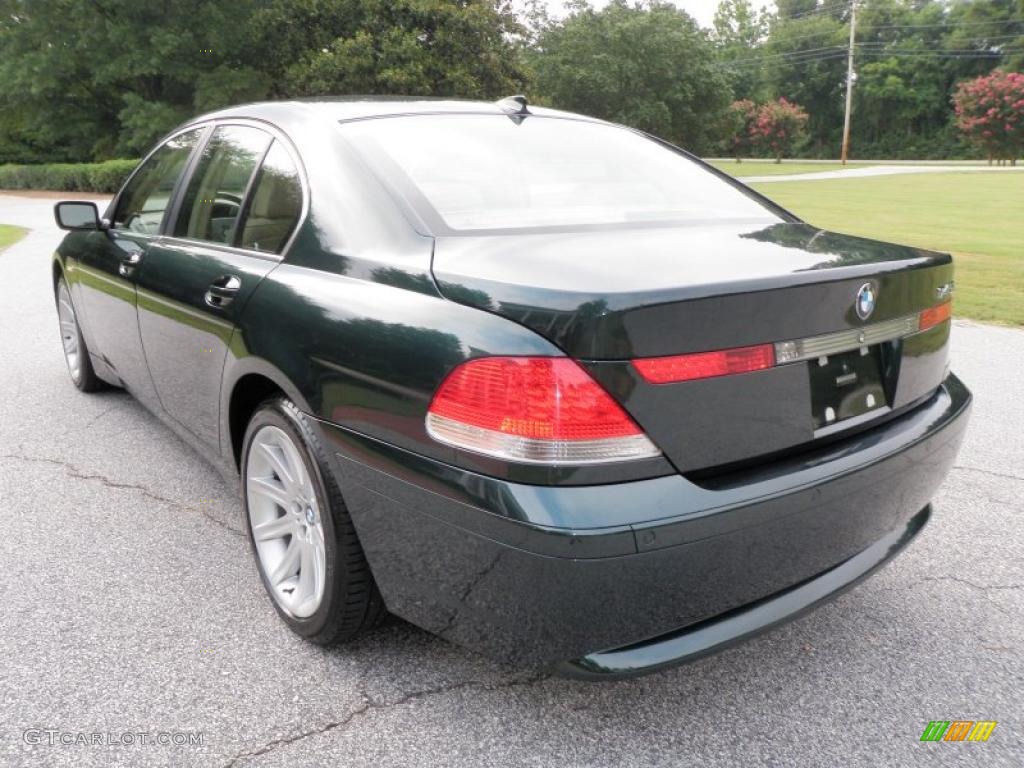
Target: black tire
(351, 602)
(84, 377)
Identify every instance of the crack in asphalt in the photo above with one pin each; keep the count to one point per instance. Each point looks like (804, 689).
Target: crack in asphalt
(969, 583)
(1004, 475)
(74, 472)
(370, 705)
(96, 418)
(983, 588)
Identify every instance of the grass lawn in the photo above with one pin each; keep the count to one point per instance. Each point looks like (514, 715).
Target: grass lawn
(757, 168)
(9, 235)
(979, 217)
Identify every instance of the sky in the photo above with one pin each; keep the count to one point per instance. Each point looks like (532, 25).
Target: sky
(702, 10)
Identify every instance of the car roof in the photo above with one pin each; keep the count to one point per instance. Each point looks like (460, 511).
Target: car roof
(345, 108)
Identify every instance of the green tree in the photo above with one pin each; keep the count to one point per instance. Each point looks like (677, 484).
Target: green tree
(738, 31)
(91, 80)
(789, 9)
(739, 141)
(648, 66)
(458, 48)
(804, 62)
(909, 56)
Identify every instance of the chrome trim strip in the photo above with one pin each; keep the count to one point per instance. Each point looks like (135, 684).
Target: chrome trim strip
(844, 341)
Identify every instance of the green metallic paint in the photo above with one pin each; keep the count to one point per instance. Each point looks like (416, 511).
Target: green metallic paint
(358, 323)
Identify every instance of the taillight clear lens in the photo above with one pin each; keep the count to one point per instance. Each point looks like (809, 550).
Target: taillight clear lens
(935, 315)
(704, 365)
(541, 410)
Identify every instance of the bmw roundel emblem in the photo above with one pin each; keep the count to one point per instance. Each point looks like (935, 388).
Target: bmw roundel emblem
(865, 303)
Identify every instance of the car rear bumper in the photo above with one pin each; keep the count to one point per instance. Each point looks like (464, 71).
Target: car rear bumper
(623, 579)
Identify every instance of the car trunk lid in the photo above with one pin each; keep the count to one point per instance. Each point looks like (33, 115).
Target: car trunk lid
(609, 296)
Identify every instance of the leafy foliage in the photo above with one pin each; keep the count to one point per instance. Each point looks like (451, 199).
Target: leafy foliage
(410, 47)
(738, 31)
(70, 177)
(778, 127)
(106, 78)
(909, 56)
(647, 65)
(990, 112)
(740, 141)
(94, 80)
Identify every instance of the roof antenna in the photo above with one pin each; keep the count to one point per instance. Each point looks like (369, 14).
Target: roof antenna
(515, 107)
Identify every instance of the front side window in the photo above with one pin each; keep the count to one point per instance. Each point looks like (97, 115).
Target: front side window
(482, 172)
(275, 205)
(212, 203)
(146, 197)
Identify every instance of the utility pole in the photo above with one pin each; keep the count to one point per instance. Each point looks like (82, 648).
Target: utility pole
(849, 83)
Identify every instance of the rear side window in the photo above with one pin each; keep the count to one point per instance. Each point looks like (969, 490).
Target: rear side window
(275, 204)
(212, 204)
(483, 172)
(146, 197)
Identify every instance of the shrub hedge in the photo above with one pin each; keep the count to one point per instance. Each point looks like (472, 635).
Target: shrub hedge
(68, 177)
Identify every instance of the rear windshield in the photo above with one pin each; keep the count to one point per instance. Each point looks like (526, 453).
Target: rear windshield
(485, 172)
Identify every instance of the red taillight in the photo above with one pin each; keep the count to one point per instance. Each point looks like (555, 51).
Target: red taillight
(704, 365)
(935, 315)
(533, 409)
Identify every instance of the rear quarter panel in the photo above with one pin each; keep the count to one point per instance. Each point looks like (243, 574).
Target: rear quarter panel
(368, 356)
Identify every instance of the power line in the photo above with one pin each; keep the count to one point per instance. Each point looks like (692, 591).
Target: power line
(841, 53)
(812, 54)
(819, 58)
(950, 25)
(972, 54)
(771, 56)
(827, 8)
(977, 41)
(1011, 36)
(886, 27)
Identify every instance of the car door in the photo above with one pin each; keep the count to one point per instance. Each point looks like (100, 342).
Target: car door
(238, 208)
(104, 276)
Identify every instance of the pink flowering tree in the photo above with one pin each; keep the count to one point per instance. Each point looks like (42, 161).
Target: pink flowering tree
(741, 118)
(990, 112)
(778, 127)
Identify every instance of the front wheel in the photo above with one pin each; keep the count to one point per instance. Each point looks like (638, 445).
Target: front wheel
(76, 354)
(306, 548)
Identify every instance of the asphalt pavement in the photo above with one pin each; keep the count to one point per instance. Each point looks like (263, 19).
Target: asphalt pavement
(131, 606)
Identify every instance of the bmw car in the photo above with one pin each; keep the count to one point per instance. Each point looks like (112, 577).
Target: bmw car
(548, 387)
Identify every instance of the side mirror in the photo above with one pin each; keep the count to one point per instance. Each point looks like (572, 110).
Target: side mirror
(77, 215)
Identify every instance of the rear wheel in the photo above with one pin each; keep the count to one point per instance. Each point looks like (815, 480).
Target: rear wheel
(306, 548)
(76, 354)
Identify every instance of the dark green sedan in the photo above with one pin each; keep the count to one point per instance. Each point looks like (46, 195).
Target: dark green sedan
(548, 387)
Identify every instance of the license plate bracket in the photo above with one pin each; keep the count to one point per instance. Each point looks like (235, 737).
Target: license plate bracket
(847, 385)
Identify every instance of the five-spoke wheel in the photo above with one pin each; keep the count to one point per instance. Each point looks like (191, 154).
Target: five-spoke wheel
(305, 543)
(76, 353)
(286, 521)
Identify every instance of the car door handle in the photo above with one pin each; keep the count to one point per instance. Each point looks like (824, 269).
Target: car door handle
(222, 291)
(128, 263)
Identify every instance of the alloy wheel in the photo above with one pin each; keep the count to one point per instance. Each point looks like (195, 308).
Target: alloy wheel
(69, 332)
(286, 522)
